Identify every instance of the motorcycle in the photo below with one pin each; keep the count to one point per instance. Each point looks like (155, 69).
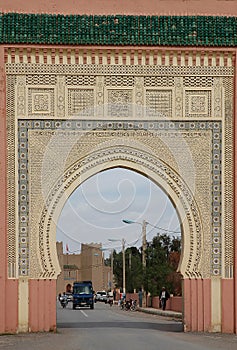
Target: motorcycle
(128, 304)
(122, 304)
(63, 301)
(133, 307)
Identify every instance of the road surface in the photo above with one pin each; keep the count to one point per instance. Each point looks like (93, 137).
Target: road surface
(106, 328)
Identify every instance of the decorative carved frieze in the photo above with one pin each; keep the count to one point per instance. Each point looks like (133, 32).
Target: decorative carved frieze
(154, 100)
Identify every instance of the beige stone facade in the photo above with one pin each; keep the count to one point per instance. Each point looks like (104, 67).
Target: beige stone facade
(79, 101)
(88, 265)
(165, 115)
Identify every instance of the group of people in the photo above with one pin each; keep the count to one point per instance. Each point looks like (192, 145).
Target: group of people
(163, 297)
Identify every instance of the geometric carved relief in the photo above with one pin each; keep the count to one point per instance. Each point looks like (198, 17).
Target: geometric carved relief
(21, 96)
(100, 96)
(217, 97)
(81, 102)
(139, 96)
(228, 246)
(192, 259)
(12, 238)
(119, 80)
(149, 136)
(198, 103)
(178, 97)
(51, 92)
(41, 101)
(60, 96)
(120, 103)
(159, 102)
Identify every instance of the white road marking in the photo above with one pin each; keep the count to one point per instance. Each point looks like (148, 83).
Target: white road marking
(84, 313)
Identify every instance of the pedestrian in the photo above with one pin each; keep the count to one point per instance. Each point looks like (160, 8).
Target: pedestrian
(140, 297)
(114, 294)
(164, 296)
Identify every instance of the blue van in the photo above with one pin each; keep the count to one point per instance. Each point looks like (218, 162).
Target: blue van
(83, 294)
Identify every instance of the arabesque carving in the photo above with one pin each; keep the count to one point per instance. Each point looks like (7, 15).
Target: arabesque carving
(109, 97)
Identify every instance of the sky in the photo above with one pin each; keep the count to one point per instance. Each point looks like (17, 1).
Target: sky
(95, 210)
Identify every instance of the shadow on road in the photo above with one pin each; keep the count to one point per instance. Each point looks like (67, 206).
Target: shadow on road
(170, 327)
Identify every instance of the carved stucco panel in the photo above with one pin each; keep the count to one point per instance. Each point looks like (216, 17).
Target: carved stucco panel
(167, 147)
(21, 96)
(40, 93)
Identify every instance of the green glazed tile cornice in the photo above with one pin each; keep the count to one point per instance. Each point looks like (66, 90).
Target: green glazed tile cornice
(18, 28)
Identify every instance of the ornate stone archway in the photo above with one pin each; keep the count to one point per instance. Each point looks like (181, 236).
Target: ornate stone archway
(167, 113)
(73, 140)
(161, 173)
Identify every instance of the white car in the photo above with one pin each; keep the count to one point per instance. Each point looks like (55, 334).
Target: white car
(101, 296)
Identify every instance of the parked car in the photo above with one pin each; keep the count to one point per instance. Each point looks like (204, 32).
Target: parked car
(101, 296)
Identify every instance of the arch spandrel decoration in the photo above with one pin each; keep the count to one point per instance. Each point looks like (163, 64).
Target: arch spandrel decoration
(196, 90)
(134, 159)
(151, 152)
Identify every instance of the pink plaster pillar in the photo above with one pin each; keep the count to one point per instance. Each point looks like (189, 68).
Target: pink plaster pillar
(187, 304)
(11, 302)
(197, 305)
(227, 306)
(206, 287)
(42, 305)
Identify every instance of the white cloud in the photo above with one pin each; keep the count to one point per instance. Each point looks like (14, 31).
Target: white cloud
(95, 210)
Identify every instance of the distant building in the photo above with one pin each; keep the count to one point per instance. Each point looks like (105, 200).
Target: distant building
(89, 265)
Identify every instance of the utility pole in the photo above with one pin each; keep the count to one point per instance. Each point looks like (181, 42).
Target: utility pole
(123, 250)
(144, 223)
(112, 269)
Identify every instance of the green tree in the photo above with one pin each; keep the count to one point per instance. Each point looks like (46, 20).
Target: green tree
(133, 269)
(160, 266)
(162, 258)
(118, 269)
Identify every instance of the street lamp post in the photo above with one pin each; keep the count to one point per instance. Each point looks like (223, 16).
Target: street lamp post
(123, 253)
(143, 224)
(112, 268)
(124, 277)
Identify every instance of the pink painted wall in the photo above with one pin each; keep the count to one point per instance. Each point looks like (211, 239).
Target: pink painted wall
(228, 306)
(173, 304)
(42, 305)
(103, 7)
(11, 302)
(197, 305)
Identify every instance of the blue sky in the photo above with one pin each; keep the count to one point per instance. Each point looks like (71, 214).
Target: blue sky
(94, 212)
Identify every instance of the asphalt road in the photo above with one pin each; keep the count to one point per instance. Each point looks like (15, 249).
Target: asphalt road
(106, 328)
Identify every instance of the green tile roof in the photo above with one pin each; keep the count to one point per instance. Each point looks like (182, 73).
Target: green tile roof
(19, 28)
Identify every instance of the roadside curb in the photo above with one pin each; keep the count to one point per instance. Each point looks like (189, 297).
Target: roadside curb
(168, 313)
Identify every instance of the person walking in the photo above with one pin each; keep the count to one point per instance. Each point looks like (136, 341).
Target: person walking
(114, 294)
(140, 297)
(164, 296)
